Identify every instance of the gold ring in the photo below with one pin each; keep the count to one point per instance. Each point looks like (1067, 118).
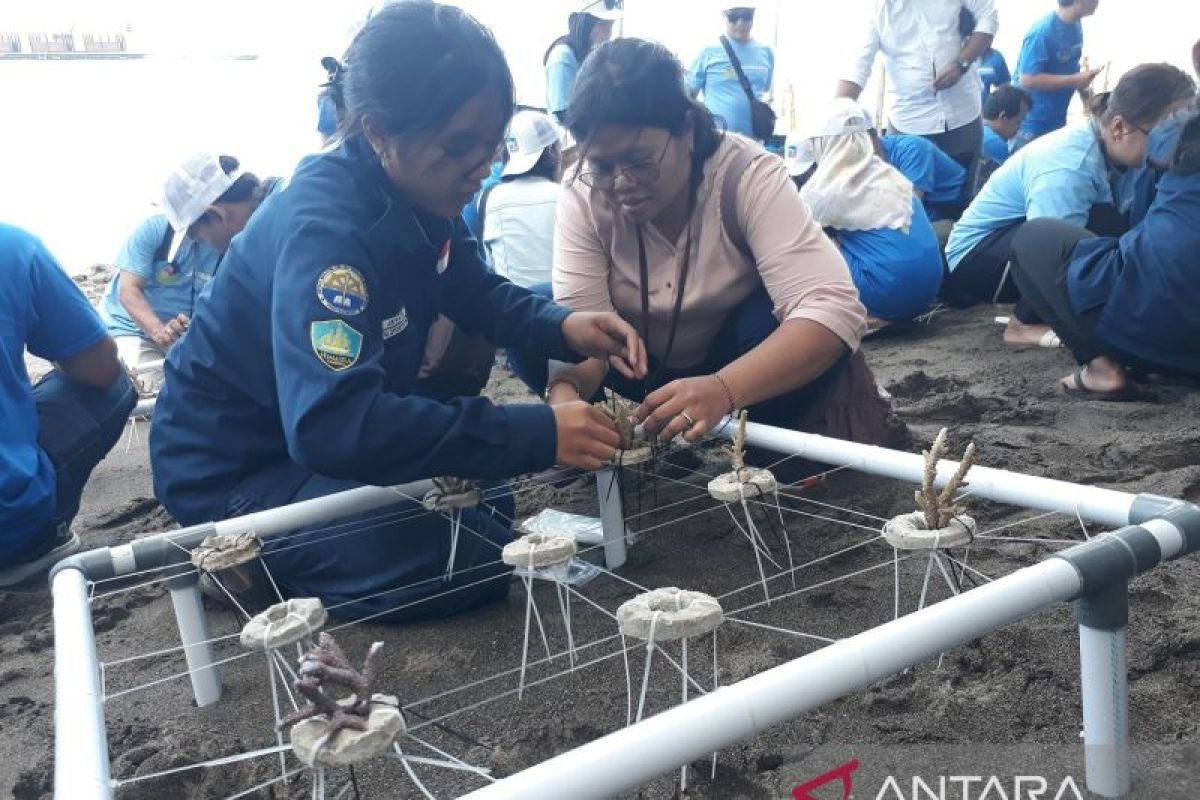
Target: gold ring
(688, 417)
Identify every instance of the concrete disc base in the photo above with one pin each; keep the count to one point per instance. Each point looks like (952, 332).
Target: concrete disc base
(348, 746)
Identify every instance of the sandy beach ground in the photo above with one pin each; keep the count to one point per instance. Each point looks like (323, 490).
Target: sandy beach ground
(1004, 705)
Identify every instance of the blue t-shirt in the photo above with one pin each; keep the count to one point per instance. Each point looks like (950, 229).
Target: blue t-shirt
(1061, 175)
(171, 289)
(43, 310)
(898, 274)
(561, 69)
(938, 176)
(1052, 47)
(995, 148)
(713, 74)
(993, 72)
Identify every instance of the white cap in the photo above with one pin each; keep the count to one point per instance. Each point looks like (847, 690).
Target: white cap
(192, 187)
(529, 134)
(600, 10)
(797, 154)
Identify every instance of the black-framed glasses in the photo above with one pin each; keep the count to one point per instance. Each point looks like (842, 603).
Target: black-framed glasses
(642, 173)
(740, 14)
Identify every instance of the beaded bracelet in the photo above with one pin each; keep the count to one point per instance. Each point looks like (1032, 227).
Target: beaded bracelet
(728, 393)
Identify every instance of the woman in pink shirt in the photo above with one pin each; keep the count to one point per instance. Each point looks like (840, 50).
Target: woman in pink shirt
(741, 299)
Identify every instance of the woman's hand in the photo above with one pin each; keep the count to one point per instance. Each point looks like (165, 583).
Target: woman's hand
(586, 436)
(606, 336)
(690, 406)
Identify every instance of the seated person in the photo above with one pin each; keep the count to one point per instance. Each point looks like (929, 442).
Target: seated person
(1063, 175)
(518, 214)
(1003, 114)
(746, 307)
(56, 432)
(1125, 304)
(172, 255)
(298, 378)
(869, 210)
(938, 180)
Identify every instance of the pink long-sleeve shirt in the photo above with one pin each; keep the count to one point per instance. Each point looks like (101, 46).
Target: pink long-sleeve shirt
(596, 260)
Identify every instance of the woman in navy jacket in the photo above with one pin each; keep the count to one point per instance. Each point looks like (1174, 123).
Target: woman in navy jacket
(298, 375)
(1125, 305)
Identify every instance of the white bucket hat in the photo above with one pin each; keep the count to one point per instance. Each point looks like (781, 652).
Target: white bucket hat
(192, 187)
(529, 134)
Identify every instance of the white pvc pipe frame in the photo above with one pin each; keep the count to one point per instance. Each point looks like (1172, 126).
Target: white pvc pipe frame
(662, 743)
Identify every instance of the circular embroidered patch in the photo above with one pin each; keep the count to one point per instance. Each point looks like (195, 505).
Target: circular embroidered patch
(342, 290)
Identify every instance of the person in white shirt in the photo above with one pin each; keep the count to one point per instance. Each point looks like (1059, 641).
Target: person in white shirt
(519, 213)
(930, 48)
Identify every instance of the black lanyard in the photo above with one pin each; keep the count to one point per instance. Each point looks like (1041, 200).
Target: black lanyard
(681, 285)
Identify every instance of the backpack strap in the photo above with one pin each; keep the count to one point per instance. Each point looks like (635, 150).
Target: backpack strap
(729, 198)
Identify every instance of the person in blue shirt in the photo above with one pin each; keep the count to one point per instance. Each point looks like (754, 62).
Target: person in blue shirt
(1048, 67)
(56, 432)
(713, 77)
(871, 212)
(172, 255)
(297, 377)
(939, 181)
(1003, 115)
(590, 26)
(993, 73)
(1125, 306)
(1065, 175)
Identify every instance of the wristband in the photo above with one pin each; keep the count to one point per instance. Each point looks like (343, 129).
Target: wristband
(728, 393)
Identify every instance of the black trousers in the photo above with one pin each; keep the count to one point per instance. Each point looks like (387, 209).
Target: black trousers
(978, 276)
(1041, 253)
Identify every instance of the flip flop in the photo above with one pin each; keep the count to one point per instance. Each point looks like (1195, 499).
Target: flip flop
(1080, 392)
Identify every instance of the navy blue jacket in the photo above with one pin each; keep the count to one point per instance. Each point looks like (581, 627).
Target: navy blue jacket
(305, 349)
(1148, 281)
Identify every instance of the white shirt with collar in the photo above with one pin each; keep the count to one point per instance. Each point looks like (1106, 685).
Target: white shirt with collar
(917, 38)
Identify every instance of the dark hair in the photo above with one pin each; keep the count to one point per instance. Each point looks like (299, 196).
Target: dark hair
(413, 65)
(242, 188)
(1006, 101)
(639, 83)
(580, 25)
(1143, 95)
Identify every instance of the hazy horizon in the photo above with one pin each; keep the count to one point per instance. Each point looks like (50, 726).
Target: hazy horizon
(86, 143)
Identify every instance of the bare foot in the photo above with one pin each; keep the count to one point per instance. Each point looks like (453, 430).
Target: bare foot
(1101, 376)
(1018, 333)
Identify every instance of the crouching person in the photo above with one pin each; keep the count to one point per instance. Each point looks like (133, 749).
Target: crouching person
(1124, 306)
(299, 376)
(699, 239)
(56, 432)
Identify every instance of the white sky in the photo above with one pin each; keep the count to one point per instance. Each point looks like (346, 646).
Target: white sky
(85, 144)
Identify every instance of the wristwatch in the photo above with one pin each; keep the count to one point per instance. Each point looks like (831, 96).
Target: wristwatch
(964, 65)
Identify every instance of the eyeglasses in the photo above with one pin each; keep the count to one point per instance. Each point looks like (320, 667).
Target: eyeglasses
(640, 174)
(740, 15)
